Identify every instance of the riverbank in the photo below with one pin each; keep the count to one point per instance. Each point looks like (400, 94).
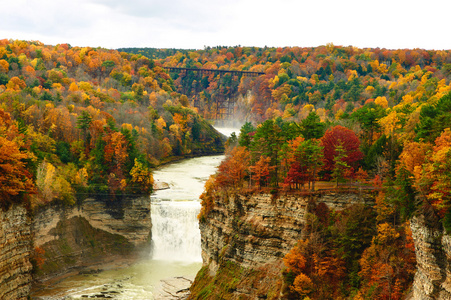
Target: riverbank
(224, 131)
(52, 286)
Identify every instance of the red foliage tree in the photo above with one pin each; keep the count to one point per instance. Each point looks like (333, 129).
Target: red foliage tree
(296, 176)
(350, 142)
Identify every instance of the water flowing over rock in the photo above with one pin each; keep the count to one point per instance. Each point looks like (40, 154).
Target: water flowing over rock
(15, 249)
(104, 228)
(175, 231)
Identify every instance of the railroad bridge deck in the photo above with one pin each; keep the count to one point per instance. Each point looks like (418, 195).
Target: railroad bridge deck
(218, 71)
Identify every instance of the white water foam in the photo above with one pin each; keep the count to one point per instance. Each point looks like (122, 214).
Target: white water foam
(175, 231)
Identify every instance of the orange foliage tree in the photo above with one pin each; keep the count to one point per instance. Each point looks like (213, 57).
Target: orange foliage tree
(234, 168)
(388, 265)
(260, 171)
(15, 179)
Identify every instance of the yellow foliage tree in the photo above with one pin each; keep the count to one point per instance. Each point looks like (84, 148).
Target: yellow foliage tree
(73, 87)
(4, 66)
(382, 101)
(142, 179)
(15, 84)
(390, 123)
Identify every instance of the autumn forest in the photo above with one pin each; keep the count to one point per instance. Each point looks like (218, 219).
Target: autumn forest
(76, 122)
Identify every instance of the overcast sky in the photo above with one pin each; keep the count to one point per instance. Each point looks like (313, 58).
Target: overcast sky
(391, 24)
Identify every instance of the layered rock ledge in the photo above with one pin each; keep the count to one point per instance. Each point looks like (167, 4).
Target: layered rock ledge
(15, 250)
(91, 234)
(245, 237)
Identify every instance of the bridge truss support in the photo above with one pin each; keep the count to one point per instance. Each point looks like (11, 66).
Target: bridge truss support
(223, 106)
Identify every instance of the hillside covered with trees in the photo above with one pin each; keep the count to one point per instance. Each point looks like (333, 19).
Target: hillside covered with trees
(90, 121)
(78, 121)
(333, 80)
(338, 118)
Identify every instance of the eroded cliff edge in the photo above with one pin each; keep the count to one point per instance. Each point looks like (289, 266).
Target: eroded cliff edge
(92, 234)
(433, 254)
(245, 237)
(15, 250)
(54, 240)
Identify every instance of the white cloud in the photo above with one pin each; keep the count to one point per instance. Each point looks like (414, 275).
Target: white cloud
(195, 24)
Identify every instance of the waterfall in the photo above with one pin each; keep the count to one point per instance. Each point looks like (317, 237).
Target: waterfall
(175, 227)
(175, 231)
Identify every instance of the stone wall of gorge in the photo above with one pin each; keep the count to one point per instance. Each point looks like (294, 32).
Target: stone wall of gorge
(89, 235)
(15, 251)
(433, 255)
(245, 237)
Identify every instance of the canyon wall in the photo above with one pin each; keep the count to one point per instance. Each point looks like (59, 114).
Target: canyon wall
(433, 254)
(94, 233)
(60, 240)
(245, 237)
(15, 249)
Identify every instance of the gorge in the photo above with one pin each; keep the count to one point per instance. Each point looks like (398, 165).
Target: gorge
(243, 244)
(175, 247)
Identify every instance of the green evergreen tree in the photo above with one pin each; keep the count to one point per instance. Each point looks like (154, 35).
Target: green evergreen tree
(244, 139)
(340, 165)
(312, 127)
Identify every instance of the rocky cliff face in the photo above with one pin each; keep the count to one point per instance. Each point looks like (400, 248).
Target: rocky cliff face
(245, 237)
(433, 254)
(90, 234)
(67, 238)
(15, 249)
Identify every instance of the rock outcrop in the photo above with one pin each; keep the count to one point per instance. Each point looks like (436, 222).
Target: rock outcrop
(15, 249)
(63, 239)
(90, 234)
(246, 236)
(175, 288)
(433, 254)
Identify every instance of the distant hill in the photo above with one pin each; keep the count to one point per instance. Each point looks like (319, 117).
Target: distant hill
(155, 53)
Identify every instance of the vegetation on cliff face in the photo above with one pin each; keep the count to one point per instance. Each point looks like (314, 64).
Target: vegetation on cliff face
(349, 255)
(235, 282)
(407, 165)
(79, 121)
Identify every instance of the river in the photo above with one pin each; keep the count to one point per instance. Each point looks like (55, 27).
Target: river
(175, 249)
